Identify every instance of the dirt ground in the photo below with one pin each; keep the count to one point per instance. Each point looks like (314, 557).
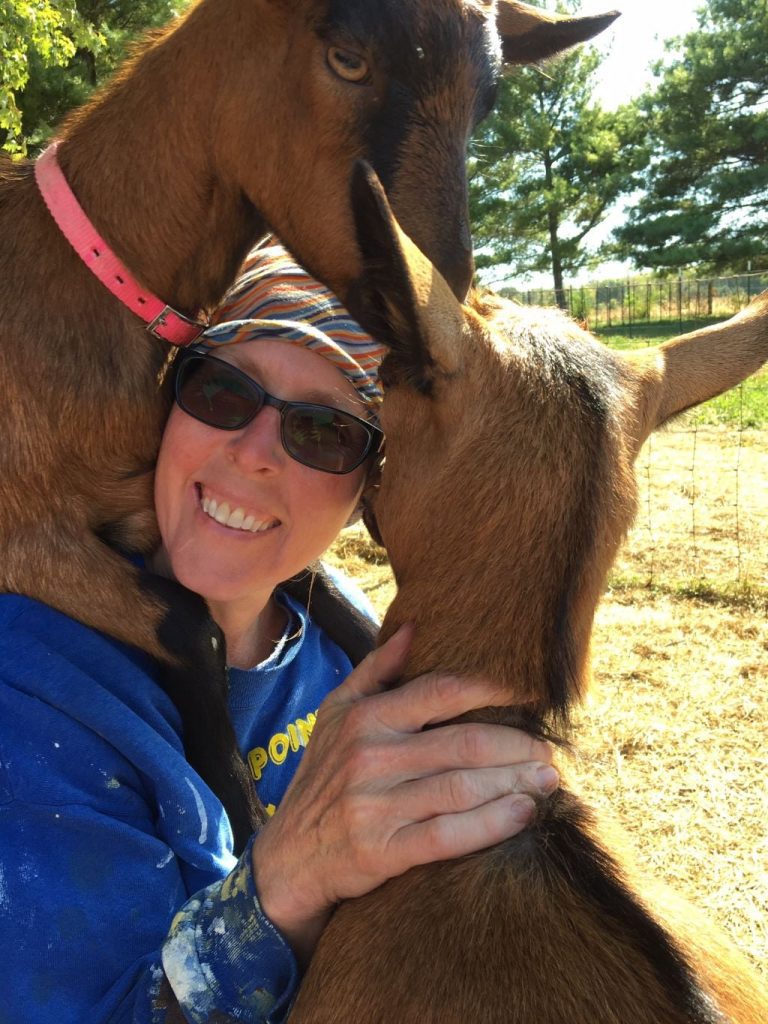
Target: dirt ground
(673, 738)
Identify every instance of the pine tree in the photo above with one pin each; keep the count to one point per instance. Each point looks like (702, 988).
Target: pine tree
(546, 168)
(706, 200)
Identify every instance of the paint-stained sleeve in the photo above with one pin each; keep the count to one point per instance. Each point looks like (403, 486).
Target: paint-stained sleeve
(224, 959)
(112, 847)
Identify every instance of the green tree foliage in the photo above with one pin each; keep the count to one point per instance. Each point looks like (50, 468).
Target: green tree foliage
(546, 167)
(53, 53)
(49, 32)
(706, 199)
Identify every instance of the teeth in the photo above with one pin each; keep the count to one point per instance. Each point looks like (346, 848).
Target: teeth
(235, 519)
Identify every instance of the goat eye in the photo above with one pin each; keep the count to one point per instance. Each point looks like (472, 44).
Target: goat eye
(347, 65)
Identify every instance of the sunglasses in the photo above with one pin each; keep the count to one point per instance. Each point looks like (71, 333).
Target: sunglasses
(319, 436)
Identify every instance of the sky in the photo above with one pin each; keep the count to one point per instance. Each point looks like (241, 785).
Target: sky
(635, 40)
(631, 44)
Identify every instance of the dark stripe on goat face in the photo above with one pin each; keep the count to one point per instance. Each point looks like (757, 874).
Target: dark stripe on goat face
(435, 71)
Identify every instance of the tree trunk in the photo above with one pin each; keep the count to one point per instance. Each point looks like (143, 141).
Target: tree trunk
(554, 241)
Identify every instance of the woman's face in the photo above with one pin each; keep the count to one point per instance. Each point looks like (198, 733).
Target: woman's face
(296, 511)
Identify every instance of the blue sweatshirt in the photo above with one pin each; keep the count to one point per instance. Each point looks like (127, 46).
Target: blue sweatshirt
(116, 864)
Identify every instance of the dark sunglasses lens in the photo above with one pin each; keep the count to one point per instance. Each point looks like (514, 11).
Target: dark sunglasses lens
(326, 439)
(213, 392)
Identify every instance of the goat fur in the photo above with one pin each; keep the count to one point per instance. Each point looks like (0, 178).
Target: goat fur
(501, 525)
(230, 122)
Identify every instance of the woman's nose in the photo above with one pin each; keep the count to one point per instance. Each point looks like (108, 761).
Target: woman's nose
(258, 448)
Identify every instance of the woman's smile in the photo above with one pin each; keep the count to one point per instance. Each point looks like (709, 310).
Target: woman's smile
(232, 515)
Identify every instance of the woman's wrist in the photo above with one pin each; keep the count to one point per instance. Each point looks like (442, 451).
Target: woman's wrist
(299, 924)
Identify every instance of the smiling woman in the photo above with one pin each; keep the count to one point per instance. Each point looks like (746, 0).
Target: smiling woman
(263, 460)
(238, 512)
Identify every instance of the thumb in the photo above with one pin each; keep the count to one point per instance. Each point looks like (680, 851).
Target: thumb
(375, 672)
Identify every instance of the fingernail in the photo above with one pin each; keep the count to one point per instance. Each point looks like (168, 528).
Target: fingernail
(547, 778)
(403, 633)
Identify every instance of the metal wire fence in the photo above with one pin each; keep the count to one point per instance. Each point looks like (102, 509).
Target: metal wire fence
(638, 303)
(702, 521)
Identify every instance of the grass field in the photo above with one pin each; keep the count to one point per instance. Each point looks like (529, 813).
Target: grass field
(673, 739)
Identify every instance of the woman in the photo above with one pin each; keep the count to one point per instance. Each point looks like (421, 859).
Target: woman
(118, 883)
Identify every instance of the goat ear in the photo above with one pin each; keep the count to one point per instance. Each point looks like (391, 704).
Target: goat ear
(529, 34)
(689, 369)
(400, 298)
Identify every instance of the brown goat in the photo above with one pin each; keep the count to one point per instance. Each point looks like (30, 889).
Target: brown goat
(500, 526)
(244, 115)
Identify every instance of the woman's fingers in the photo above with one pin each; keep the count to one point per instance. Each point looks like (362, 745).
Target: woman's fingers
(455, 835)
(431, 699)
(427, 700)
(371, 817)
(456, 791)
(401, 758)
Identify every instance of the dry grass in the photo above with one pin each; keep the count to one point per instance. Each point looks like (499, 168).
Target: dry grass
(703, 513)
(672, 739)
(673, 744)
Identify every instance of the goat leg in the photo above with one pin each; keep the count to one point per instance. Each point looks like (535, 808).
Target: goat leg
(83, 578)
(195, 678)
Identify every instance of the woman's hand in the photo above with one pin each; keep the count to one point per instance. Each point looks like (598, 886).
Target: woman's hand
(375, 795)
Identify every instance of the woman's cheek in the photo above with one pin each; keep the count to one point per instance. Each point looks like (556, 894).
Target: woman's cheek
(181, 452)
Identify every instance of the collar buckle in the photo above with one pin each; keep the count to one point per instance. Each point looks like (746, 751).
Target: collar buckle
(176, 328)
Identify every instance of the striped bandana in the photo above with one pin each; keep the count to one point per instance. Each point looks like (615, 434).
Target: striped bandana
(273, 298)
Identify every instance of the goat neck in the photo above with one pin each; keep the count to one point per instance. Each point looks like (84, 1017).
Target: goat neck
(498, 547)
(151, 179)
(501, 549)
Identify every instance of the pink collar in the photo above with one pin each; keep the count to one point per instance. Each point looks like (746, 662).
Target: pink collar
(161, 320)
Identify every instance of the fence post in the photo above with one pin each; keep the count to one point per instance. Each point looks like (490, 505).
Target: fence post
(630, 316)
